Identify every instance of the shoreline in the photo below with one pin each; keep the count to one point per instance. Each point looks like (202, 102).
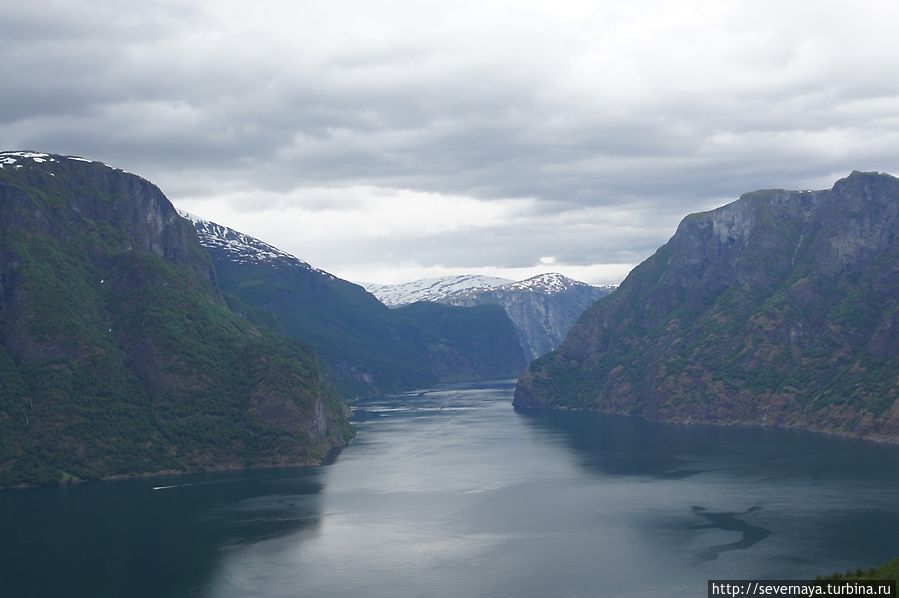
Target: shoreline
(878, 439)
(328, 459)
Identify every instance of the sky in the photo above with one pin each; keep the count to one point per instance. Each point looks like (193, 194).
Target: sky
(386, 141)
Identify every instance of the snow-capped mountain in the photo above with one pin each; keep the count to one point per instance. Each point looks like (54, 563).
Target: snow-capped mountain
(433, 289)
(21, 159)
(543, 307)
(18, 159)
(368, 348)
(549, 284)
(242, 248)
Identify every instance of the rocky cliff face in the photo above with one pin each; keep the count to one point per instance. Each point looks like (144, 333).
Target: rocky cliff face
(543, 308)
(781, 308)
(117, 352)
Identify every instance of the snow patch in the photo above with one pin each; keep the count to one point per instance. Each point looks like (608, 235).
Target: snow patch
(547, 284)
(439, 289)
(242, 248)
(13, 158)
(432, 289)
(31, 155)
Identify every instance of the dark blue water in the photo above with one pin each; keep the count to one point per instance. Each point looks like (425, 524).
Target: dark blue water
(452, 493)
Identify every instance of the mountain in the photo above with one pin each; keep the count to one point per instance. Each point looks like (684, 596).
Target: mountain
(780, 309)
(466, 343)
(118, 353)
(432, 289)
(543, 308)
(368, 347)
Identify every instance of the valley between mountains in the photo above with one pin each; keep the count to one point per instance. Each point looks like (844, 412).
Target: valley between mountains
(136, 339)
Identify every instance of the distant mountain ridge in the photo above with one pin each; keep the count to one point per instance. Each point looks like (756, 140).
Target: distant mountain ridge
(368, 347)
(432, 289)
(548, 284)
(240, 247)
(543, 307)
(781, 308)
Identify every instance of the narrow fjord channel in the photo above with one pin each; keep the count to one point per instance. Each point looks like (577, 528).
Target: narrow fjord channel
(449, 492)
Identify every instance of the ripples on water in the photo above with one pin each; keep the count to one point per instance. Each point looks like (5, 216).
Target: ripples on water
(449, 492)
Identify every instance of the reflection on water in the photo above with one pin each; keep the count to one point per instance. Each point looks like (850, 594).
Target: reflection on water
(622, 445)
(449, 493)
(143, 537)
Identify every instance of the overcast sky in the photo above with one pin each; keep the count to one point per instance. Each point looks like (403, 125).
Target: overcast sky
(387, 141)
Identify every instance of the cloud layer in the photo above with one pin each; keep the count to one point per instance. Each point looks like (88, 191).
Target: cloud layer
(384, 140)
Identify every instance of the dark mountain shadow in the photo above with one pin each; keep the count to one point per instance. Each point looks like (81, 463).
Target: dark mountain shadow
(606, 444)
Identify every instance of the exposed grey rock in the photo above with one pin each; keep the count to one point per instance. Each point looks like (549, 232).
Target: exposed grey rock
(781, 308)
(543, 308)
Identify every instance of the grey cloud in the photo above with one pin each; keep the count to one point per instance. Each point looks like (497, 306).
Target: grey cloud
(183, 95)
(518, 243)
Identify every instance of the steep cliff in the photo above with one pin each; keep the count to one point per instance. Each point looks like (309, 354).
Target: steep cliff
(117, 352)
(781, 309)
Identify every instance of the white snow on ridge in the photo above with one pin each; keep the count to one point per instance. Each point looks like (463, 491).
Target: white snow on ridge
(551, 283)
(37, 157)
(13, 158)
(33, 155)
(548, 284)
(432, 289)
(437, 289)
(242, 248)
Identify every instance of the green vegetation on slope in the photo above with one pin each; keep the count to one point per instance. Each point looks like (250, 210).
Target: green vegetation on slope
(118, 355)
(779, 309)
(466, 343)
(889, 570)
(367, 347)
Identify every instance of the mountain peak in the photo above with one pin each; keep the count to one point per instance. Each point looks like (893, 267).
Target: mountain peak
(240, 247)
(18, 159)
(870, 174)
(29, 159)
(433, 289)
(867, 182)
(548, 283)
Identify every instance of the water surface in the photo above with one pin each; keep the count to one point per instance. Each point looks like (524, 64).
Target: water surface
(451, 493)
